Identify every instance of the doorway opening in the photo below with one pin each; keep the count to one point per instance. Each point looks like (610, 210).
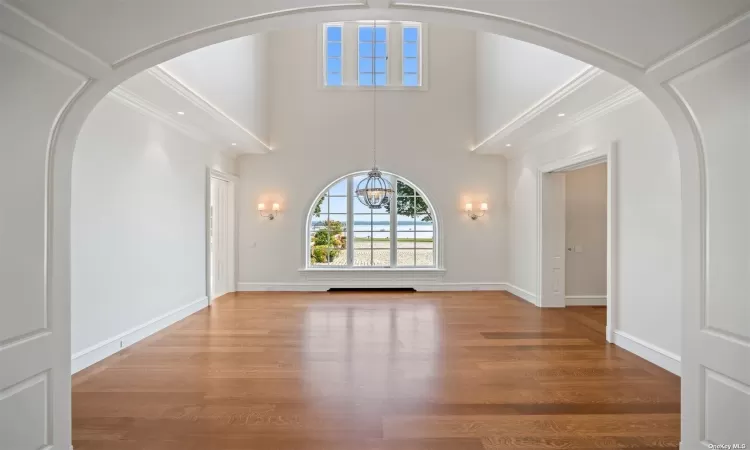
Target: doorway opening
(221, 228)
(577, 255)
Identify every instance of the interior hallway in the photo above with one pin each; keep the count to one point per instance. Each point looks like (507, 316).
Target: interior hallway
(386, 371)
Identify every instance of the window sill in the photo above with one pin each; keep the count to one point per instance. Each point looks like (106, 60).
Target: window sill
(370, 88)
(383, 270)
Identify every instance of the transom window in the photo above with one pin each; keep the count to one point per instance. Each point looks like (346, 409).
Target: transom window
(373, 55)
(412, 53)
(334, 46)
(342, 232)
(364, 54)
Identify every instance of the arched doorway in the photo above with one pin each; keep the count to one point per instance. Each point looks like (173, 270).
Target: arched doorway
(50, 337)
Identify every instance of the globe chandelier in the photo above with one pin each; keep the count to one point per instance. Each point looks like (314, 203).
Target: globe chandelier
(374, 191)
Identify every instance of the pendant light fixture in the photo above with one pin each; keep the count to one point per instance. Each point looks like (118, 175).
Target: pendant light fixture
(374, 191)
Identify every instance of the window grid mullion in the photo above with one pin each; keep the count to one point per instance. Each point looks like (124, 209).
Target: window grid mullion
(373, 73)
(393, 232)
(393, 252)
(414, 203)
(418, 57)
(350, 222)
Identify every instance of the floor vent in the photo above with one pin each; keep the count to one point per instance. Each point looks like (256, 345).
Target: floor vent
(373, 289)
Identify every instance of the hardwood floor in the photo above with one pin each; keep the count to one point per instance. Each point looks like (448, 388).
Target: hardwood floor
(375, 371)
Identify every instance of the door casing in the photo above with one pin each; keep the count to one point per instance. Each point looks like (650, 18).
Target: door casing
(213, 176)
(545, 279)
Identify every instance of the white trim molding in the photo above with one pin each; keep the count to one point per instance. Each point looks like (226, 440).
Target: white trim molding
(585, 300)
(421, 285)
(606, 106)
(139, 104)
(233, 180)
(553, 98)
(109, 347)
(522, 293)
(577, 161)
(171, 81)
(651, 353)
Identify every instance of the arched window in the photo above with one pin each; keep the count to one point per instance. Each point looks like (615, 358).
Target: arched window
(342, 232)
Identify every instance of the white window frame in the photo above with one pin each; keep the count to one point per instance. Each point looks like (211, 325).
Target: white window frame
(394, 61)
(420, 53)
(387, 53)
(324, 43)
(350, 199)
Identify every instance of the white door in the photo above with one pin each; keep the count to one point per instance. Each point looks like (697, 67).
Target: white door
(34, 374)
(716, 320)
(552, 289)
(34, 353)
(221, 237)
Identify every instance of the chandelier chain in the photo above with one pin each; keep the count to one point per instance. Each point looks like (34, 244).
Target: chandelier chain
(375, 191)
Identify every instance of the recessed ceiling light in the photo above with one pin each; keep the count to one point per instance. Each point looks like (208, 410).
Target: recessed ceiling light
(234, 143)
(507, 145)
(561, 115)
(182, 113)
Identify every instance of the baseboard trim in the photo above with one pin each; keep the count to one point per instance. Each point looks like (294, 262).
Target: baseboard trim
(422, 286)
(585, 300)
(98, 352)
(523, 293)
(651, 353)
(437, 287)
(246, 286)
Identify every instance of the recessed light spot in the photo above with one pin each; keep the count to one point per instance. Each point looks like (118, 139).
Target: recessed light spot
(234, 144)
(182, 113)
(507, 145)
(561, 115)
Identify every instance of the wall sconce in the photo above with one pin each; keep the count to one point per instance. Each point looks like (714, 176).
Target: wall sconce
(469, 210)
(275, 210)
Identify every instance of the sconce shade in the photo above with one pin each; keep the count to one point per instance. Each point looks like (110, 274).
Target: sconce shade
(468, 207)
(275, 207)
(483, 207)
(261, 206)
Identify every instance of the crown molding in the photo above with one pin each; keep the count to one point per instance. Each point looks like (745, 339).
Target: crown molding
(128, 98)
(32, 32)
(378, 3)
(571, 86)
(615, 101)
(612, 103)
(732, 33)
(174, 83)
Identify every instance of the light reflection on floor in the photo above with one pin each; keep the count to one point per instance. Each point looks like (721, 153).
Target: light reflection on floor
(371, 351)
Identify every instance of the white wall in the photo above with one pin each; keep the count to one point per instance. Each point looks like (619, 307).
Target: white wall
(138, 222)
(586, 230)
(322, 134)
(649, 292)
(233, 76)
(512, 76)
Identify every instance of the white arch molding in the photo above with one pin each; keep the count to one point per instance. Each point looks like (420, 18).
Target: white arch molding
(63, 133)
(436, 218)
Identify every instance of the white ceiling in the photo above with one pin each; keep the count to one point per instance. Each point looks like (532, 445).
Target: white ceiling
(512, 76)
(167, 98)
(598, 93)
(232, 76)
(106, 32)
(524, 89)
(664, 26)
(96, 37)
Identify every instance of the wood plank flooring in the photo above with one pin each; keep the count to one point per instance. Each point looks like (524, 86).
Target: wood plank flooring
(376, 371)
